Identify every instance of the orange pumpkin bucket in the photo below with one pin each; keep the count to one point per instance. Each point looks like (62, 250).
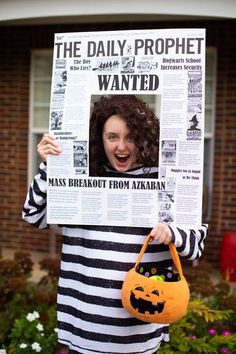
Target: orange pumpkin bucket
(156, 298)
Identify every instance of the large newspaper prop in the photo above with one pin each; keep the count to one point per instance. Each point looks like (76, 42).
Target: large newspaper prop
(166, 67)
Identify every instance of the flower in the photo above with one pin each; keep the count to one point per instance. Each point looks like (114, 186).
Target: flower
(3, 351)
(23, 345)
(39, 327)
(35, 346)
(55, 330)
(224, 350)
(36, 314)
(226, 333)
(32, 316)
(62, 351)
(211, 331)
(192, 337)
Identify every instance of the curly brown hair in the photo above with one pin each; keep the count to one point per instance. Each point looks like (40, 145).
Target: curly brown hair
(141, 121)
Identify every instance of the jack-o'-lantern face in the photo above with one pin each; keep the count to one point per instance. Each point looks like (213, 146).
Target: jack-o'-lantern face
(146, 300)
(151, 300)
(152, 296)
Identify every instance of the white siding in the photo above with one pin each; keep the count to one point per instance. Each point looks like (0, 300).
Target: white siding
(60, 11)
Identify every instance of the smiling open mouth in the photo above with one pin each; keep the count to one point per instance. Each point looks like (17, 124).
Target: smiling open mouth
(122, 159)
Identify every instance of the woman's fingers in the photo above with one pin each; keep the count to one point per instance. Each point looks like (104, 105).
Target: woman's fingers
(161, 233)
(48, 145)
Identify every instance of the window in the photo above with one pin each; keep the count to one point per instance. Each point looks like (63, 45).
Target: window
(209, 131)
(40, 87)
(41, 71)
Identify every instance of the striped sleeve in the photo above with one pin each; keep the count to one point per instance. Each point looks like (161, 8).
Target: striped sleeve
(189, 243)
(35, 207)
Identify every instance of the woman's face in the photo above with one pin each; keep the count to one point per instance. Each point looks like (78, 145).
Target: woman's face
(118, 143)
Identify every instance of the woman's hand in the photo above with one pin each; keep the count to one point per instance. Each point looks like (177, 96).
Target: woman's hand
(48, 145)
(162, 234)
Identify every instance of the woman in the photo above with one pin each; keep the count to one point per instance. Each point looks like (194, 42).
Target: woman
(143, 128)
(95, 259)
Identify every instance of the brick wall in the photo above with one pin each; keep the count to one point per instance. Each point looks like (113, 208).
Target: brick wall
(224, 193)
(16, 45)
(14, 111)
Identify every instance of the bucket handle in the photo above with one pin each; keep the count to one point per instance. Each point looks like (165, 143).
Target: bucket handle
(173, 252)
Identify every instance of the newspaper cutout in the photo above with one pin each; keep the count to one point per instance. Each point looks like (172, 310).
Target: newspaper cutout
(168, 68)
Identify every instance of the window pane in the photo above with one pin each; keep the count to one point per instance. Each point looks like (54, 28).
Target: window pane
(36, 158)
(41, 117)
(210, 63)
(42, 92)
(149, 99)
(209, 91)
(42, 65)
(207, 153)
(208, 120)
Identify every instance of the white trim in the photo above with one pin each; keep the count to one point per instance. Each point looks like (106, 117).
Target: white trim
(31, 153)
(61, 11)
(32, 132)
(212, 139)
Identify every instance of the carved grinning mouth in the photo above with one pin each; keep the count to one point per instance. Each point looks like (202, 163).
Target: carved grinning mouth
(143, 306)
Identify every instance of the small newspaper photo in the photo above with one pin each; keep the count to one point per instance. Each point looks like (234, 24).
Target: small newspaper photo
(152, 73)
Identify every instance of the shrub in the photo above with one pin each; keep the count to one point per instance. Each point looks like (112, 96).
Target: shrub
(209, 326)
(28, 311)
(198, 332)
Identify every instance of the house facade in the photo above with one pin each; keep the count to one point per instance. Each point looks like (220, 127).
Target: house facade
(27, 31)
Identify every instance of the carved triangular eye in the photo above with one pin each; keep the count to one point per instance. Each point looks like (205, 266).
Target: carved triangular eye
(140, 288)
(155, 292)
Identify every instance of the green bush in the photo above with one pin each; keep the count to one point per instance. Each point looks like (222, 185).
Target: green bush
(198, 331)
(210, 323)
(28, 311)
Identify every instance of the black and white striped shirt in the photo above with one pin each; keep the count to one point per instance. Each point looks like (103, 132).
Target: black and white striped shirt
(94, 262)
